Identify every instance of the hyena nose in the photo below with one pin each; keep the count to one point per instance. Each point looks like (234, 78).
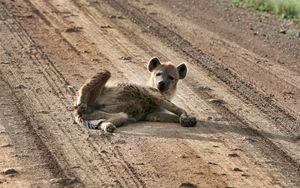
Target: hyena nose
(161, 84)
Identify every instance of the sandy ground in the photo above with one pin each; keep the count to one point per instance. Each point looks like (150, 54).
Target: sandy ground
(243, 85)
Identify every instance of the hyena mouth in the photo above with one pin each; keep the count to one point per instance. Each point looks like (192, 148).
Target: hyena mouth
(162, 88)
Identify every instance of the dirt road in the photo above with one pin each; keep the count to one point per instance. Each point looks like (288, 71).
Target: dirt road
(243, 85)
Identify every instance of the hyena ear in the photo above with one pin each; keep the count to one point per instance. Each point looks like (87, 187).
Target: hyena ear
(182, 70)
(153, 63)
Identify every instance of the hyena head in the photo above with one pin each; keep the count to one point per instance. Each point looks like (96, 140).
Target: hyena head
(164, 76)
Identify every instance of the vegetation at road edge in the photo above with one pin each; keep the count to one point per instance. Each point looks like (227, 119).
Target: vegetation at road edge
(289, 9)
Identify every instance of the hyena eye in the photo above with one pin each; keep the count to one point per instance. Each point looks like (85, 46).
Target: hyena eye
(171, 77)
(158, 74)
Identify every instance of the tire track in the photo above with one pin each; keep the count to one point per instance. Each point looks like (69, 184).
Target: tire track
(40, 62)
(283, 163)
(129, 169)
(285, 121)
(26, 41)
(139, 181)
(112, 160)
(41, 100)
(116, 153)
(286, 164)
(27, 135)
(106, 160)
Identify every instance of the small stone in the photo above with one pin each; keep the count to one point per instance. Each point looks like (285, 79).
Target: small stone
(237, 149)
(152, 13)
(237, 169)
(27, 16)
(183, 156)
(245, 175)
(64, 181)
(95, 59)
(116, 17)
(86, 51)
(44, 112)
(120, 17)
(217, 101)
(233, 155)
(105, 26)
(188, 185)
(70, 108)
(6, 145)
(5, 62)
(141, 163)
(288, 93)
(149, 27)
(9, 171)
(212, 163)
(285, 16)
(283, 31)
(218, 119)
(73, 29)
(126, 58)
(204, 88)
(71, 90)
(20, 86)
(2, 181)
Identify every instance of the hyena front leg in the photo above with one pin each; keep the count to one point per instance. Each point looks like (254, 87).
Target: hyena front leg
(184, 119)
(161, 116)
(88, 93)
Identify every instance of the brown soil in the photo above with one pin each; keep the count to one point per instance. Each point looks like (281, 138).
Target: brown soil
(243, 85)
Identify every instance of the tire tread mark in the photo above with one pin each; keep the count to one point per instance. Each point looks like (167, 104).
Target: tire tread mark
(52, 164)
(21, 43)
(286, 122)
(274, 153)
(50, 82)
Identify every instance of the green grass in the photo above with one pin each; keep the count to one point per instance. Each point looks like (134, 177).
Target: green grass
(289, 9)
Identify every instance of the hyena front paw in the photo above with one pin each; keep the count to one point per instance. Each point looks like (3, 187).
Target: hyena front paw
(187, 121)
(108, 127)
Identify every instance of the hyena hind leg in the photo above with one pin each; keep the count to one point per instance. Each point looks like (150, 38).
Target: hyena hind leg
(106, 121)
(88, 93)
(113, 122)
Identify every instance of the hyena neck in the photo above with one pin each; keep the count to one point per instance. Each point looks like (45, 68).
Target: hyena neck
(169, 94)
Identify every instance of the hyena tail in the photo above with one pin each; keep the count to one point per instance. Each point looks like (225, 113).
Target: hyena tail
(87, 96)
